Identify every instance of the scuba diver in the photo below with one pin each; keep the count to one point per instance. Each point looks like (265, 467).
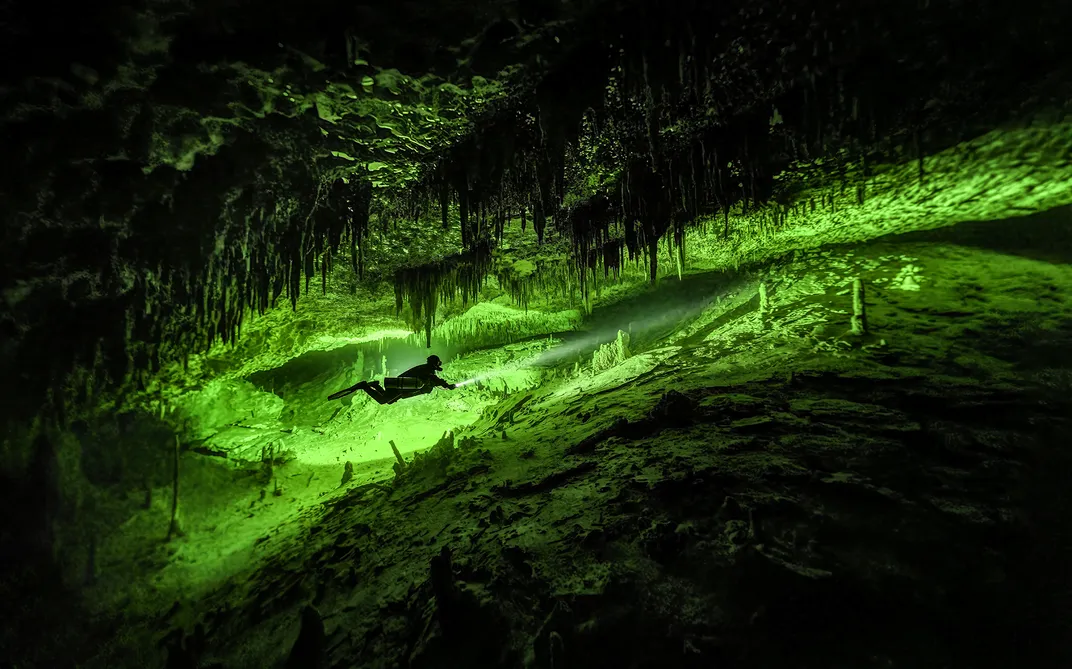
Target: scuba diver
(419, 380)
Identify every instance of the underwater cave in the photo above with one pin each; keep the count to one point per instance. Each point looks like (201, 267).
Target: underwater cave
(602, 334)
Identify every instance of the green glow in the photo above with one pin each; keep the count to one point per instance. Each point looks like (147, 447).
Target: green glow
(896, 202)
(526, 402)
(1006, 173)
(721, 442)
(490, 323)
(998, 175)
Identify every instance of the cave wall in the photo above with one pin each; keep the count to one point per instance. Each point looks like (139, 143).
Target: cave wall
(172, 167)
(712, 106)
(154, 205)
(147, 202)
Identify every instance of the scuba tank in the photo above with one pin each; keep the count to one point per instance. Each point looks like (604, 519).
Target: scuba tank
(403, 383)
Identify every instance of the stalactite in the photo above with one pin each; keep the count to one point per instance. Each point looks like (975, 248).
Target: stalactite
(539, 222)
(324, 273)
(653, 259)
(463, 216)
(295, 282)
(422, 288)
(444, 204)
(682, 57)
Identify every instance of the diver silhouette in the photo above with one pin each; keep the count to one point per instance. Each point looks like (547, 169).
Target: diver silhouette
(419, 380)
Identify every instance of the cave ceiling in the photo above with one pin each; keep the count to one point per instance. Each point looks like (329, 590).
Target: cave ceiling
(173, 165)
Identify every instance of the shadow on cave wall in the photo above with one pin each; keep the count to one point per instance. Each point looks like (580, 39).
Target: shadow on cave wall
(314, 368)
(1045, 236)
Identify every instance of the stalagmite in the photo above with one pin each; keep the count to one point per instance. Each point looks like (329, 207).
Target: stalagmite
(400, 465)
(859, 309)
(612, 353)
(653, 260)
(679, 255)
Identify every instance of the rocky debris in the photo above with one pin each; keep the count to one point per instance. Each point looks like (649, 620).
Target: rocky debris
(509, 408)
(184, 650)
(463, 629)
(310, 648)
(618, 428)
(445, 459)
(555, 479)
(751, 543)
(674, 409)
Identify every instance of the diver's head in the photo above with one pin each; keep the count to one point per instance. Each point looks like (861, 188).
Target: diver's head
(435, 362)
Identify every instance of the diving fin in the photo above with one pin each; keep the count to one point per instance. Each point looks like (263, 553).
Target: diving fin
(344, 393)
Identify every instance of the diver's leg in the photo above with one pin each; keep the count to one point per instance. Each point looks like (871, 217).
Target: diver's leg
(376, 392)
(352, 389)
(373, 389)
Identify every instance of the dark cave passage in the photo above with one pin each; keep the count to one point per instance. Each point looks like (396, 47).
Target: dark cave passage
(1042, 236)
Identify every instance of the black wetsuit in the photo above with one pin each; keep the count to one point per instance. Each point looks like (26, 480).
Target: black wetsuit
(426, 373)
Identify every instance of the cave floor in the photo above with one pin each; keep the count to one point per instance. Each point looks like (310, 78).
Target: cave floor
(758, 490)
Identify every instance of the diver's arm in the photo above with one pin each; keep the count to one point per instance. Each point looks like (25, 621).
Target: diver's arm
(442, 383)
